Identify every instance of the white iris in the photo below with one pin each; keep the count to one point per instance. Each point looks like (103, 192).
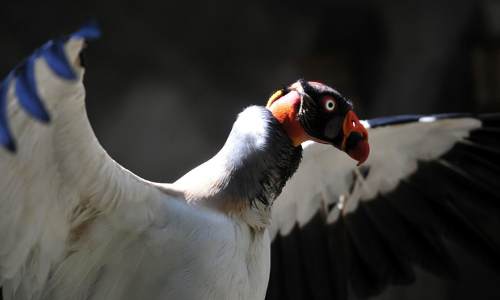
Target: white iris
(330, 105)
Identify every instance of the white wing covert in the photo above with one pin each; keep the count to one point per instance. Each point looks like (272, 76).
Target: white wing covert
(56, 178)
(336, 225)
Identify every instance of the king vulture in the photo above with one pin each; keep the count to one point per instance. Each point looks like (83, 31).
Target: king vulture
(74, 224)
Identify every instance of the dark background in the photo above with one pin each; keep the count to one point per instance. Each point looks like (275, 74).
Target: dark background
(166, 80)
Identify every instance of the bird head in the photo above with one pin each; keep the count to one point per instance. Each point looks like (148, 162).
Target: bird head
(310, 110)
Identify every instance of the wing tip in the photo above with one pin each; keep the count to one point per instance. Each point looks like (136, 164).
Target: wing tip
(88, 31)
(56, 57)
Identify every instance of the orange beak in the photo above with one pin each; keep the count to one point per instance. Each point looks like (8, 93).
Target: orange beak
(355, 141)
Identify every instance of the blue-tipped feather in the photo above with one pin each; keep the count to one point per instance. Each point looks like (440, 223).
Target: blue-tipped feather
(6, 139)
(55, 56)
(89, 31)
(26, 90)
(23, 77)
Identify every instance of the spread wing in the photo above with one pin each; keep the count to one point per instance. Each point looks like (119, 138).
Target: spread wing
(337, 227)
(57, 181)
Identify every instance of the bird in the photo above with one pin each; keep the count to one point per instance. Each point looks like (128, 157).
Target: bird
(277, 213)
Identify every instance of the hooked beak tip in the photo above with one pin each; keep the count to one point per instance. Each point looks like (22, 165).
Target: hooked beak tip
(360, 152)
(355, 142)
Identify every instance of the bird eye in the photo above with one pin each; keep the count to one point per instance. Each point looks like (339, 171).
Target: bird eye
(329, 104)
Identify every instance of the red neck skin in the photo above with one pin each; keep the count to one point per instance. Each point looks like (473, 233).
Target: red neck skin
(285, 110)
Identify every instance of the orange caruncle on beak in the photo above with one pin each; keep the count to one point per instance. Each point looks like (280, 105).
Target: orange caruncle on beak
(285, 109)
(355, 141)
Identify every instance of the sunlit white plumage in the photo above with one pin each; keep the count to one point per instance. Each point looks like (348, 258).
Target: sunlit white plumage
(74, 224)
(395, 153)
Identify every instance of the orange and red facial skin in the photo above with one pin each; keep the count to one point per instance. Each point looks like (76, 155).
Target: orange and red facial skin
(285, 109)
(285, 105)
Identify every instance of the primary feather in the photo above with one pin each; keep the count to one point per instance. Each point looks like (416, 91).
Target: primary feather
(427, 180)
(74, 224)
